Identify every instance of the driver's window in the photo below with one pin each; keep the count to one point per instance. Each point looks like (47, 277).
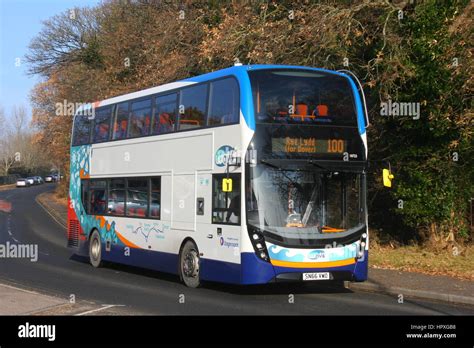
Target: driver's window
(97, 197)
(226, 205)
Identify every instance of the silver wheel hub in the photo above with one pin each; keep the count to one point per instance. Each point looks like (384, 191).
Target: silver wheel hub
(191, 264)
(95, 249)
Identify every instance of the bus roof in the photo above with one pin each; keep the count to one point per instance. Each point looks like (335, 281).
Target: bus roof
(237, 71)
(240, 72)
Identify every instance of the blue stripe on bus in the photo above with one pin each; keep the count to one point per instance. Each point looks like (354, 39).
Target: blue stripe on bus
(220, 271)
(154, 260)
(254, 270)
(246, 99)
(359, 111)
(212, 270)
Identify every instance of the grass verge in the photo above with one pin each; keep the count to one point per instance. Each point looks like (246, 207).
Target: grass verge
(458, 263)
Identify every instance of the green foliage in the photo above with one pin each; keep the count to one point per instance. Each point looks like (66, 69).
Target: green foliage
(434, 187)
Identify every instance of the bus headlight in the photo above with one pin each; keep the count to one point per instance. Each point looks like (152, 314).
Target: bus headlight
(258, 243)
(362, 245)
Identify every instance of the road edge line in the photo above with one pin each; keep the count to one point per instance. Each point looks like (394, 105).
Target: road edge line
(422, 294)
(49, 211)
(20, 289)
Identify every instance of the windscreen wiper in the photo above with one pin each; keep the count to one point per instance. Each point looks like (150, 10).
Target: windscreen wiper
(310, 206)
(316, 164)
(270, 164)
(282, 170)
(279, 168)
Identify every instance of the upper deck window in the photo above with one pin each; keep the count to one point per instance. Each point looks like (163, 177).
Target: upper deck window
(194, 101)
(224, 102)
(82, 130)
(121, 121)
(140, 119)
(165, 114)
(102, 124)
(302, 96)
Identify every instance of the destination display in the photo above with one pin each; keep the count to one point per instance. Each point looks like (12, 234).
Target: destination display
(309, 145)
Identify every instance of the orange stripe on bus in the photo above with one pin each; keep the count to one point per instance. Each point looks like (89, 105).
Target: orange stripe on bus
(102, 221)
(313, 264)
(126, 241)
(324, 230)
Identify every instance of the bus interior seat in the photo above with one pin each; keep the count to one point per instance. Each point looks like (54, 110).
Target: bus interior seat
(123, 129)
(302, 109)
(322, 110)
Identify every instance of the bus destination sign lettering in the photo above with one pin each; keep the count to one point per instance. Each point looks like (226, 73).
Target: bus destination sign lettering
(308, 145)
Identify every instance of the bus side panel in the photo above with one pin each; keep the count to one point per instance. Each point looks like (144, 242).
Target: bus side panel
(219, 271)
(149, 259)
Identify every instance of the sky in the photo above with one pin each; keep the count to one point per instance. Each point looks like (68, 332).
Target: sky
(20, 22)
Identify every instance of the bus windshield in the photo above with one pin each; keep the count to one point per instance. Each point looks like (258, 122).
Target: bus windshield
(304, 204)
(302, 96)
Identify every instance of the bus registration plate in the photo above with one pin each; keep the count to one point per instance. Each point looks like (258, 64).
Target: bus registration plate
(316, 276)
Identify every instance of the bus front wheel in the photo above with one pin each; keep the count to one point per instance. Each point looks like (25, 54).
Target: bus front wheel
(95, 249)
(189, 265)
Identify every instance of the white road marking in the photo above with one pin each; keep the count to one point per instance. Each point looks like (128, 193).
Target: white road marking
(9, 229)
(99, 309)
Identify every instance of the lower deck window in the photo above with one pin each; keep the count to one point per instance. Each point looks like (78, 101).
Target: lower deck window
(97, 197)
(131, 197)
(116, 204)
(137, 197)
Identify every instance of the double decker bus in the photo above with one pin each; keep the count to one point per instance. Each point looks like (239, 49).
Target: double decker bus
(247, 175)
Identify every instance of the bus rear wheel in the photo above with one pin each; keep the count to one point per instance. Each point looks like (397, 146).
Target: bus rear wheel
(95, 250)
(189, 263)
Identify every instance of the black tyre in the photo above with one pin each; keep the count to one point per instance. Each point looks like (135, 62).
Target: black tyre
(189, 265)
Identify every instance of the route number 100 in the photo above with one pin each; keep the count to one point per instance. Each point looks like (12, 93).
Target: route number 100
(335, 146)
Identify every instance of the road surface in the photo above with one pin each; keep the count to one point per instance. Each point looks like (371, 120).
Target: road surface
(58, 272)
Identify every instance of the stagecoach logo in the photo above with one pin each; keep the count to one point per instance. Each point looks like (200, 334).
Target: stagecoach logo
(316, 254)
(229, 242)
(223, 154)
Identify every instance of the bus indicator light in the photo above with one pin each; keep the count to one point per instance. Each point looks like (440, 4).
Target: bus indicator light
(387, 178)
